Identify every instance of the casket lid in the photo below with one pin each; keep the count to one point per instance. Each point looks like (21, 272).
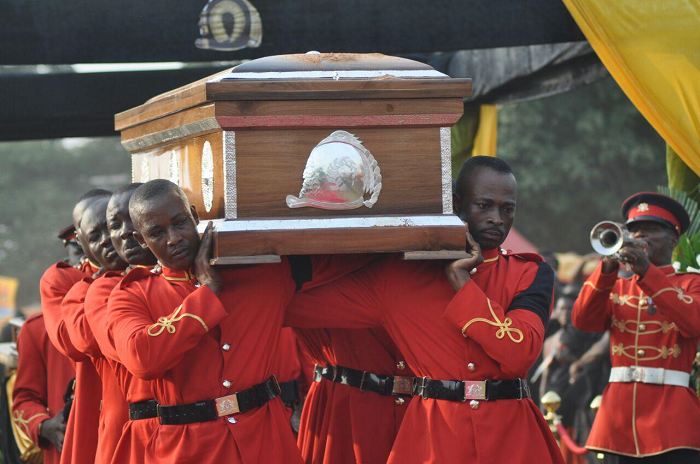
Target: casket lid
(315, 65)
(310, 76)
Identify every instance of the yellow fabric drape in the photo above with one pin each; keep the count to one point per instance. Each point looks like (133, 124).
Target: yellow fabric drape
(486, 135)
(652, 50)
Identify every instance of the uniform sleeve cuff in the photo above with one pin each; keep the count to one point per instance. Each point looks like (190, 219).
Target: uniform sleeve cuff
(460, 309)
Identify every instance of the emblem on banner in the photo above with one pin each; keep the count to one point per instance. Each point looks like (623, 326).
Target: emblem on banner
(339, 172)
(229, 25)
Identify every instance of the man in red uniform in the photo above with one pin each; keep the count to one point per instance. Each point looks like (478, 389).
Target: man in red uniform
(42, 376)
(481, 320)
(84, 421)
(648, 412)
(206, 348)
(54, 285)
(87, 327)
(351, 414)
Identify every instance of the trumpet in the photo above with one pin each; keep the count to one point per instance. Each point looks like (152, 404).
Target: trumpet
(608, 238)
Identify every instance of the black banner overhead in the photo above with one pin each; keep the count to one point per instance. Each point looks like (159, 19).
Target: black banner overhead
(101, 31)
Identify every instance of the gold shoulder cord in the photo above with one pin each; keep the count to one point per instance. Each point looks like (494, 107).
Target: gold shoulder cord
(166, 322)
(687, 299)
(503, 327)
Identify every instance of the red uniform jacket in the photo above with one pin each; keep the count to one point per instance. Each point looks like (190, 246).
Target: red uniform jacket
(341, 424)
(196, 346)
(42, 377)
(286, 364)
(502, 312)
(639, 419)
(54, 285)
(128, 438)
(113, 412)
(83, 424)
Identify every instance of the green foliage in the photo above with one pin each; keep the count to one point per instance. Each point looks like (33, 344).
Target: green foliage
(40, 181)
(688, 249)
(577, 156)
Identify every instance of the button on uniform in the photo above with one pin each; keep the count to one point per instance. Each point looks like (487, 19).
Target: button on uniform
(471, 367)
(226, 383)
(401, 365)
(400, 401)
(642, 327)
(474, 404)
(641, 352)
(226, 347)
(231, 420)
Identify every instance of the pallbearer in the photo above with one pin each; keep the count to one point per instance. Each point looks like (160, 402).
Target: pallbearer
(42, 376)
(85, 428)
(207, 348)
(469, 332)
(117, 383)
(54, 285)
(654, 322)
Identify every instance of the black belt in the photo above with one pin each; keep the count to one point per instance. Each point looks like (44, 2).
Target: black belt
(289, 393)
(363, 380)
(463, 390)
(143, 410)
(450, 390)
(209, 410)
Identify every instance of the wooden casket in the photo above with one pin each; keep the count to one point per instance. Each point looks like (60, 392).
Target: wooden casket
(308, 154)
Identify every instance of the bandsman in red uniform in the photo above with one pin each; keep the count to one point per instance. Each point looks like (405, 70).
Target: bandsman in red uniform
(84, 422)
(42, 376)
(206, 348)
(53, 287)
(648, 412)
(469, 331)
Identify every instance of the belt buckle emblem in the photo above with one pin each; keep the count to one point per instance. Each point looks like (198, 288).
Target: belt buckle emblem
(402, 386)
(474, 390)
(637, 374)
(227, 405)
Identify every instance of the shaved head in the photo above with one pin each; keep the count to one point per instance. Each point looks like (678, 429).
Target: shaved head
(85, 201)
(151, 191)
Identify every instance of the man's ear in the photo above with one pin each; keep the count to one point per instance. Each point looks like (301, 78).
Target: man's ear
(674, 239)
(193, 210)
(456, 203)
(139, 238)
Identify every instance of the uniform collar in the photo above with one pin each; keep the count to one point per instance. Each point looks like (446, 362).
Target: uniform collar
(175, 275)
(89, 267)
(668, 269)
(491, 256)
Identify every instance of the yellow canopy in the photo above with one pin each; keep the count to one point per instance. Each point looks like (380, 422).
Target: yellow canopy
(652, 50)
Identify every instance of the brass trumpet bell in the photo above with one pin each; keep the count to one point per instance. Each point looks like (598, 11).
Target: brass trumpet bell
(608, 237)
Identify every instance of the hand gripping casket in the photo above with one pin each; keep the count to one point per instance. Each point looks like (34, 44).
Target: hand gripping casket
(308, 154)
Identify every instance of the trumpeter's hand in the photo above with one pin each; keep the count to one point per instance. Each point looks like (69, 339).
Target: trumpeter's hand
(637, 258)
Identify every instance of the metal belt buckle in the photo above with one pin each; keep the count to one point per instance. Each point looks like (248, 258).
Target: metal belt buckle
(520, 389)
(402, 385)
(362, 380)
(474, 390)
(422, 388)
(227, 405)
(637, 374)
(335, 373)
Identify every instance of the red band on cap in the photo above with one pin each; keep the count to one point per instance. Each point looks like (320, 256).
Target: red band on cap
(653, 210)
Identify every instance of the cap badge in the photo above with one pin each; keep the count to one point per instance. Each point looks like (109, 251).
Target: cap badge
(643, 207)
